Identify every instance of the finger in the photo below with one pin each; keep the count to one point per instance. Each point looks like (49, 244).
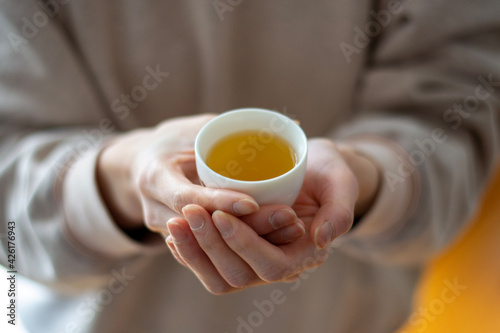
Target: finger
(287, 234)
(269, 262)
(168, 184)
(169, 240)
(191, 253)
(188, 168)
(337, 199)
(293, 277)
(156, 214)
(170, 243)
(330, 222)
(270, 218)
(230, 266)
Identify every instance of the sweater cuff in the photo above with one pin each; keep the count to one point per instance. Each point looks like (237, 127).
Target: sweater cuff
(88, 224)
(398, 192)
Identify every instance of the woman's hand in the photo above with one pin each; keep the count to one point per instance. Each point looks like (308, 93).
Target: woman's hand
(339, 185)
(226, 254)
(148, 176)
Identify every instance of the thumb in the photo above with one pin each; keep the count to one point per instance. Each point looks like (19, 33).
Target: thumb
(337, 196)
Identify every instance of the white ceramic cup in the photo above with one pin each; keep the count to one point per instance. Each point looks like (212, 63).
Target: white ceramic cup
(279, 190)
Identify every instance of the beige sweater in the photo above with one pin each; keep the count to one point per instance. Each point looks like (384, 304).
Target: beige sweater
(414, 84)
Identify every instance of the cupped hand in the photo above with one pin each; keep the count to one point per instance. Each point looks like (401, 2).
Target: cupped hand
(227, 254)
(148, 176)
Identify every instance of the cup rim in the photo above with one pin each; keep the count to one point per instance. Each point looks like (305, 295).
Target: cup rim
(301, 160)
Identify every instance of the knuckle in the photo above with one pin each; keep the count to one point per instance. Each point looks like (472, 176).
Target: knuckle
(214, 197)
(178, 200)
(143, 180)
(146, 175)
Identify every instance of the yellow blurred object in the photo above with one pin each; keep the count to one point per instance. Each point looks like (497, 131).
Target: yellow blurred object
(460, 290)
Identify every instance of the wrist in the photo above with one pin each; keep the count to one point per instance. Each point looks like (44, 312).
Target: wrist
(117, 188)
(397, 194)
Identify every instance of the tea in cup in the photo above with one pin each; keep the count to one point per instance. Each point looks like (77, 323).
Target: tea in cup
(259, 152)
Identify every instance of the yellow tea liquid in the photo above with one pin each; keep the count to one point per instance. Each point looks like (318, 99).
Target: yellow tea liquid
(251, 156)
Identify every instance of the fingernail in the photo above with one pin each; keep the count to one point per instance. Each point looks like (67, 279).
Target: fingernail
(293, 232)
(223, 223)
(178, 234)
(282, 217)
(195, 220)
(245, 207)
(324, 235)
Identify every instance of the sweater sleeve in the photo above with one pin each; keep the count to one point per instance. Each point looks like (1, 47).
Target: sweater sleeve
(428, 114)
(51, 133)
